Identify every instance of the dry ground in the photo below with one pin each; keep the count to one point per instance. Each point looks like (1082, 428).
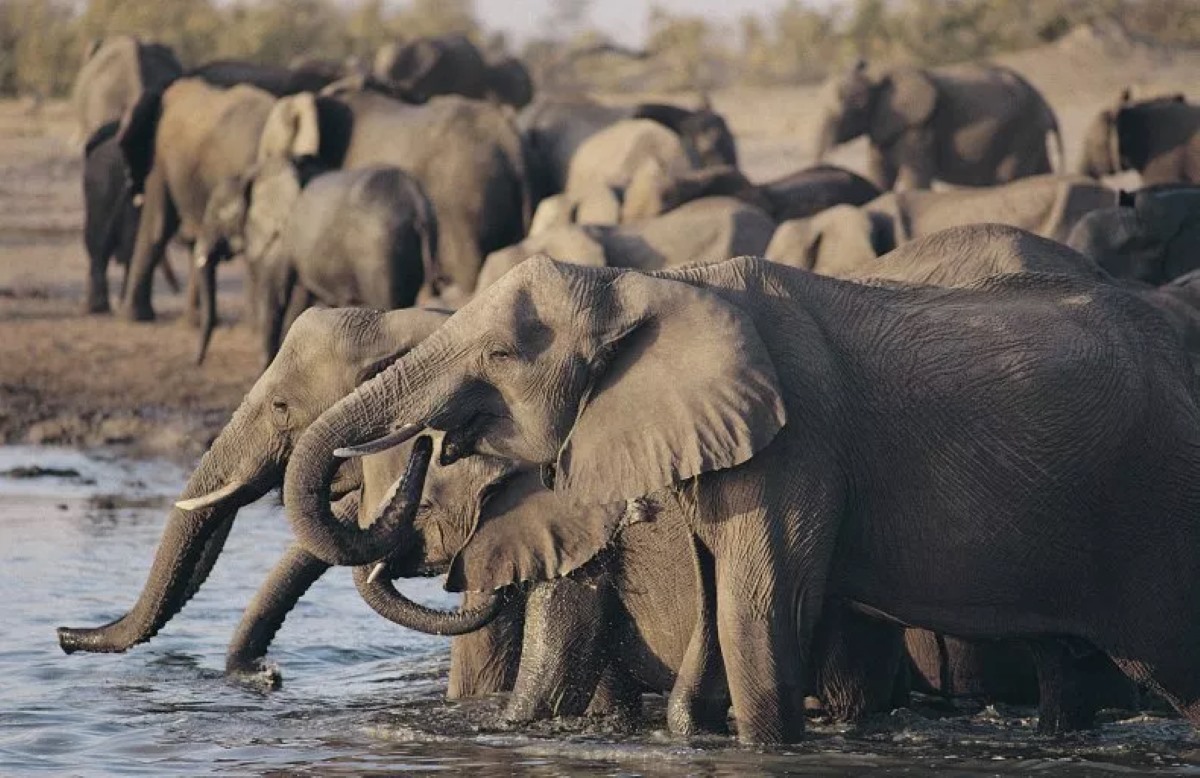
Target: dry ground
(86, 381)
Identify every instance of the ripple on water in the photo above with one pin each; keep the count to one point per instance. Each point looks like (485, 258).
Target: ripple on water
(359, 696)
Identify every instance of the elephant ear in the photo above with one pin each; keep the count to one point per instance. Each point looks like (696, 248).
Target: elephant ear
(525, 532)
(904, 99)
(136, 138)
(683, 385)
(292, 128)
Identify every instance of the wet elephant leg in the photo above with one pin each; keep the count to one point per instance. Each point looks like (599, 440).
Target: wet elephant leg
(1067, 678)
(287, 582)
(486, 661)
(699, 701)
(562, 656)
(617, 696)
(856, 660)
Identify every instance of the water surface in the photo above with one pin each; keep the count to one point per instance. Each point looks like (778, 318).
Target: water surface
(360, 696)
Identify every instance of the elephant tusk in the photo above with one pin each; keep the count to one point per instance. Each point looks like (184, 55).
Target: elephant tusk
(211, 499)
(390, 440)
(376, 571)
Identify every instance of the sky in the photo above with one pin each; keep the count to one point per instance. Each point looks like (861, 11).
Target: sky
(624, 20)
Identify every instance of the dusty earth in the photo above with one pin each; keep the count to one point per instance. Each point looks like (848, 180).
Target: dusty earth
(91, 381)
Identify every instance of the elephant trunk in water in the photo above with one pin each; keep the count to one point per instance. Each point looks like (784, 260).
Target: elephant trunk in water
(190, 545)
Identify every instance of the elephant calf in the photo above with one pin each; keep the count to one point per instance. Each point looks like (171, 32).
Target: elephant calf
(362, 237)
(1152, 236)
(1158, 138)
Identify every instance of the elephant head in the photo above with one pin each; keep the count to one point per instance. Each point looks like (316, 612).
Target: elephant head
(508, 82)
(883, 108)
(593, 374)
(703, 131)
(1154, 240)
(323, 357)
(245, 215)
(835, 242)
(1118, 138)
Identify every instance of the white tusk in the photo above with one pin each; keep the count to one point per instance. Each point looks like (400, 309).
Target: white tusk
(210, 499)
(376, 572)
(389, 440)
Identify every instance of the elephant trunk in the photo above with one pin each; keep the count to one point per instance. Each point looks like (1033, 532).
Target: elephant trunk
(826, 138)
(190, 545)
(387, 601)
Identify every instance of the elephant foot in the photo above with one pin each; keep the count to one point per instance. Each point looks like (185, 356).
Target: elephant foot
(96, 305)
(258, 674)
(1066, 686)
(697, 716)
(137, 313)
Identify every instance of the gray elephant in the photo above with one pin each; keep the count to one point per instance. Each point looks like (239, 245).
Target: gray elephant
(1158, 138)
(843, 240)
(653, 190)
(809, 427)
(179, 145)
(555, 128)
(1153, 236)
(972, 125)
(609, 159)
(452, 64)
(466, 155)
(710, 229)
(364, 237)
(114, 74)
(279, 81)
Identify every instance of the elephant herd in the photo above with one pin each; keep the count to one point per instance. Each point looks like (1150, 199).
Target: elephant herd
(671, 431)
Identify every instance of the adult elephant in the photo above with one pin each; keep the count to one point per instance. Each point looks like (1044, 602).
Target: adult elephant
(710, 229)
(844, 240)
(972, 125)
(179, 145)
(452, 65)
(796, 433)
(343, 238)
(115, 73)
(279, 81)
(1152, 236)
(555, 128)
(609, 159)
(465, 154)
(1158, 138)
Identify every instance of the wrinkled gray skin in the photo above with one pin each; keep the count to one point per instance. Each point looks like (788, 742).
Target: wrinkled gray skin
(466, 155)
(452, 64)
(711, 229)
(326, 354)
(844, 240)
(1153, 239)
(808, 410)
(180, 145)
(654, 191)
(365, 237)
(972, 125)
(114, 74)
(554, 128)
(1158, 138)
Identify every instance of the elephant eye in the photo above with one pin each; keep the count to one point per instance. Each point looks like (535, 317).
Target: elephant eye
(500, 353)
(280, 406)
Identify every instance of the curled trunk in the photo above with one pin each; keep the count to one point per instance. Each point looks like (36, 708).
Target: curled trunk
(389, 602)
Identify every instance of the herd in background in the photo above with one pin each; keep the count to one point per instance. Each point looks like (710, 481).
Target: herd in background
(420, 184)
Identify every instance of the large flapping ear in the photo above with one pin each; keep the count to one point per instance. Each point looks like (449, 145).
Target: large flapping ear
(292, 128)
(136, 138)
(905, 99)
(525, 532)
(684, 385)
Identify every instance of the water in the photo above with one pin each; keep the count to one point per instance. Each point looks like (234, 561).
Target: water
(360, 696)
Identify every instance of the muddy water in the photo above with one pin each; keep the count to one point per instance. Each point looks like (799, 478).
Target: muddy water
(361, 697)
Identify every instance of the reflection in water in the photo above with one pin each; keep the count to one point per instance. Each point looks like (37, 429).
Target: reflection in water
(360, 696)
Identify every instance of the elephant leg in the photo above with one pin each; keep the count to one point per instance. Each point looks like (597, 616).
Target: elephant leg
(191, 301)
(916, 160)
(158, 224)
(699, 701)
(617, 696)
(168, 274)
(486, 661)
(856, 660)
(278, 293)
(1065, 686)
(561, 653)
(96, 293)
(880, 168)
(287, 582)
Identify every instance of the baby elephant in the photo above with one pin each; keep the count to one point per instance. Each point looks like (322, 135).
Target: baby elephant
(364, 237)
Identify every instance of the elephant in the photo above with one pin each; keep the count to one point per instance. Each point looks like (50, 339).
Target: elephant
(452, 64)
(653, 190)
(611, 157)
(710, 229)
(363, 237)
(971, 125)
(115, 73)
(110, 220)
(1152, 236)
(810, 429)
(179, 145)
(554, 128)
(844, 240)
(1159, 138)
(279, 81)
(465, 154)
